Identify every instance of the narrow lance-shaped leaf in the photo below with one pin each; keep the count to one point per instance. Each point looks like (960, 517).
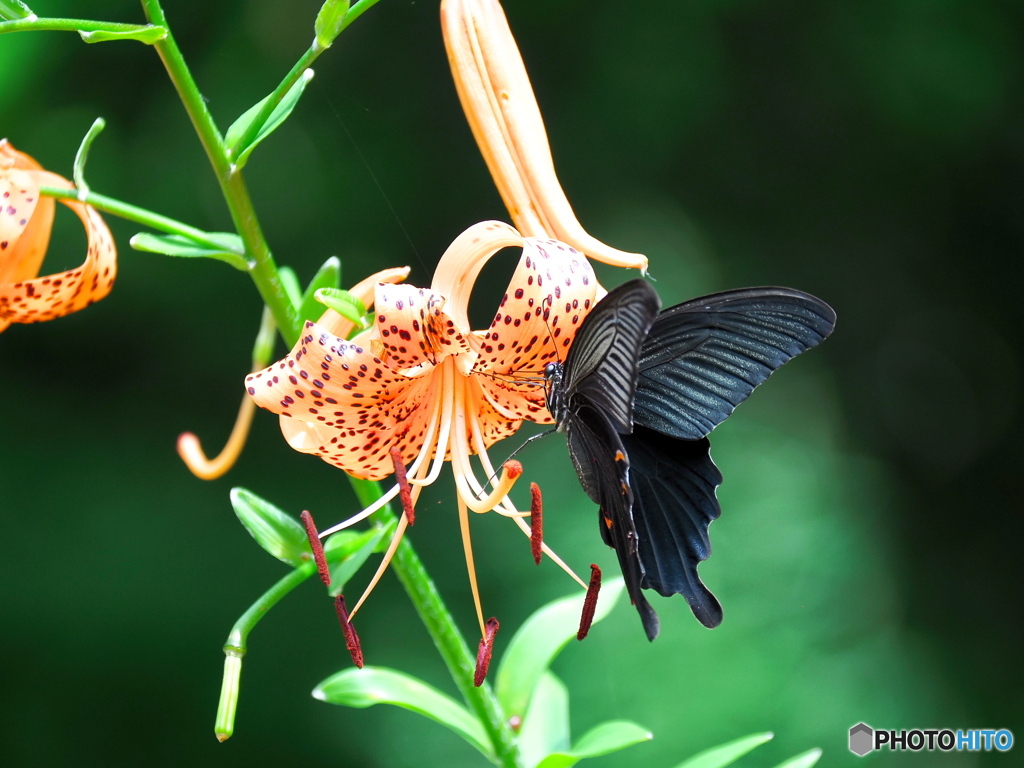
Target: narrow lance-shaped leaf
(82, 156)
(803, 760)
(275, 530)
(726, 754)
(11, 10)
(291, 284)
(344, 303)
(602, 740)
(328, 276)
(330, 21)
(377, 685)
(240, 127)
(178, 245)
(539, 640)
(346, 552)
(148, 34)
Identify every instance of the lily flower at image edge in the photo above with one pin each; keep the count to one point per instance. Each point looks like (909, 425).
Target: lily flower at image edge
(26, 220)
(423, 382)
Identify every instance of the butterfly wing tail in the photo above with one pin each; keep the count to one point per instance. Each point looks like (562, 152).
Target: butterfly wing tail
(624, 542)
(674, 503)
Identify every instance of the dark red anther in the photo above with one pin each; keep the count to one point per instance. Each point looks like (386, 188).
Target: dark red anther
(318, 548)
(483, 653)
(404, 489)
(536, 522)
(351, 638)
(590, 602)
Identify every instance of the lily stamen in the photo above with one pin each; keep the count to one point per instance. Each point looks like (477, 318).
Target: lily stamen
(404, 489)
(317, 547)
(355, 648)
(590, 602)
(536, 522)
(484, 651)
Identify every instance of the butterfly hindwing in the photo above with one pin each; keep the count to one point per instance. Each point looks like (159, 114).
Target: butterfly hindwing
(603, 469)
(673, 483)
(602, 361)
(704, 357)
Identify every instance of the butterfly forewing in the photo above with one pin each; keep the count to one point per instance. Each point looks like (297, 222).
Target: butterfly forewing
(704, 357)
(602, 362)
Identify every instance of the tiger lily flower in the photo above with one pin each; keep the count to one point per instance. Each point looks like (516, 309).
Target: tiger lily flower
(502, 111)
(26, 219)
(421, 387)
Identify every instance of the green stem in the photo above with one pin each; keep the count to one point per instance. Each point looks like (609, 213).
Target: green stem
(441, 626)
(76, 25)
(262, 268)
(134, 213)
(236, 646)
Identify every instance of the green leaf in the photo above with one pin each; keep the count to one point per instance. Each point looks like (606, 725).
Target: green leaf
(240, 127)
(83, 155)
(12, 10)
(539, 640)
(276, 531)
(604, 739)
(354, 548)
(804, 760)
(545, 728)
(377, 685)
(330, 21)
(290, 281)
(178, 245)
(726, 754)
(328, 276)
(148, 34)
(344, 303)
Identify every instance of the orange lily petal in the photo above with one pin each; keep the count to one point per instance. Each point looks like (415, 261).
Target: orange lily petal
(413, 329)
(502, 112)
(25, 223)
(358, 407)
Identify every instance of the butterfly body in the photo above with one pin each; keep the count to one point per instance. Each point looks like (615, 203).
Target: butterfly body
(637, 396)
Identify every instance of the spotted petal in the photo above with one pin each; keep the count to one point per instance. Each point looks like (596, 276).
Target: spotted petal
(25, 224)
(552, 290)
(413, 328)
(358, 406)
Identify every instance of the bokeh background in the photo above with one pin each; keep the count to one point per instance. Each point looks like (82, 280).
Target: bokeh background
(868, 556)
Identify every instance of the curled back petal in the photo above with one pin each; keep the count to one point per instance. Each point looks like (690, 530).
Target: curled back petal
(460, 265)
(25, 219)
(44, 298)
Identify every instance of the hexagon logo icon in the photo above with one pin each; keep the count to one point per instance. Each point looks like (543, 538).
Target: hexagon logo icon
(862, 738)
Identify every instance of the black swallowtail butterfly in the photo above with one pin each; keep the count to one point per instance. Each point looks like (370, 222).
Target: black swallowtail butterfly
(637, 396)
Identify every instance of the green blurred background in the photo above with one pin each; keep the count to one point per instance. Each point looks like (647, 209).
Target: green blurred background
(871, 153)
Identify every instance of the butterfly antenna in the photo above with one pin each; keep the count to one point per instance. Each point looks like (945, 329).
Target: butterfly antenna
(551, 335)
(526, 442)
